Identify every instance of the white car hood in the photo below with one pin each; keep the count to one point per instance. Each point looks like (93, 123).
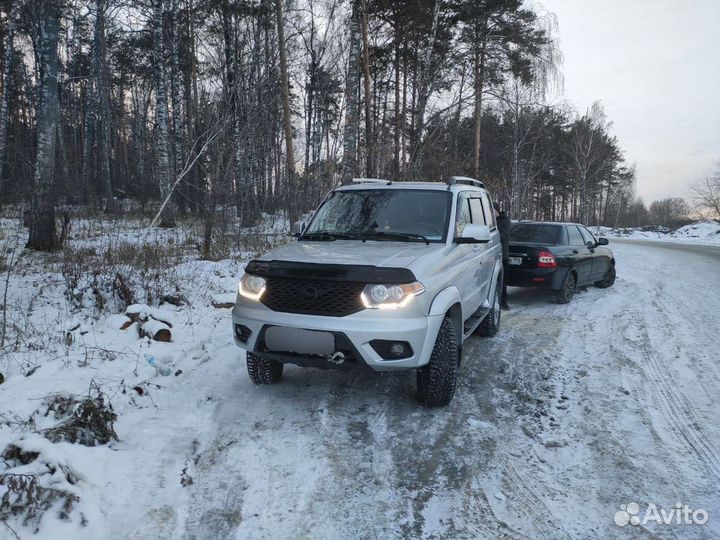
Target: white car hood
(373, 253)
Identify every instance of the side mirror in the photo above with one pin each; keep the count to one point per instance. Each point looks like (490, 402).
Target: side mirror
(602, 241)
(297, 228)
(474, 233)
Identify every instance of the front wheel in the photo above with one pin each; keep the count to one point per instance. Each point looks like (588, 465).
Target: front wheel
(436, 381)
(608, 280)
(263, 370)
(566, 293)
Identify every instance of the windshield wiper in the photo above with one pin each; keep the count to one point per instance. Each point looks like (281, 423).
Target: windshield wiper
(330, 236)
(398, 234)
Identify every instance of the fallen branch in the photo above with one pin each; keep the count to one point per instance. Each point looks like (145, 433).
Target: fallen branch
(188, 166)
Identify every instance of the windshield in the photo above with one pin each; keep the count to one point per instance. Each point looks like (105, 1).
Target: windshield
(536, 234)
(384, 214)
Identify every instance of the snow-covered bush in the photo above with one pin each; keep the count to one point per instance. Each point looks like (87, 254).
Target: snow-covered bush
(36, 480)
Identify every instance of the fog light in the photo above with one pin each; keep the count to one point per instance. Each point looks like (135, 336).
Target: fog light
(397, 349)
(242, 332)
(392, 350)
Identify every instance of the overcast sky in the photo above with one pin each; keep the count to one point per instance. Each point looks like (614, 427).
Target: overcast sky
(655, 66)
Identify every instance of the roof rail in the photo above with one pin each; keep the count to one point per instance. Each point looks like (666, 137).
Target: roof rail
(370, 181)
(465, 180)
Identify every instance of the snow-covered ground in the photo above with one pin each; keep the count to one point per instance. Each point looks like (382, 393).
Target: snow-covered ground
(569, 413)
(700, 232)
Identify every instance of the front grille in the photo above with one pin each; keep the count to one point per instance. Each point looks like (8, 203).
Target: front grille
(311, 297)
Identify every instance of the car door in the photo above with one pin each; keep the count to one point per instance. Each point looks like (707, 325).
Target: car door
(599, 257)
(581, 254)
(486, 254)
(465, 258)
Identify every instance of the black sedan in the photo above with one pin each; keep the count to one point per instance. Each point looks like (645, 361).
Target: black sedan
(558, 256)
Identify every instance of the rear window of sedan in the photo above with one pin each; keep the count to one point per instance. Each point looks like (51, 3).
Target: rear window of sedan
(536, 233)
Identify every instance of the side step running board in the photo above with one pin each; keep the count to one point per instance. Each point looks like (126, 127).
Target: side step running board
(474, 320)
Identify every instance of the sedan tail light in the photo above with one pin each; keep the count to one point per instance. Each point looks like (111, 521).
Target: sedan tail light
(546, 259)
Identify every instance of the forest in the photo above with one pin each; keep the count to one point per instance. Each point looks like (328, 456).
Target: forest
(185, 107)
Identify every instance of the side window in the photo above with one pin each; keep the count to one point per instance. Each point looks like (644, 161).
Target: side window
(574, 236)
(489, 211)
(463, 214)
(476, 211)
(587, 236)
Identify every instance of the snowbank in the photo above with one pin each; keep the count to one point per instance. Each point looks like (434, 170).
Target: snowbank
(701, 232)
(74, 339)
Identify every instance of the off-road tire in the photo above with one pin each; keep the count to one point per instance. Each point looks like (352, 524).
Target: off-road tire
(566, 293)
(609, 278)
(491, 323)
(436, 381)
(263, 370)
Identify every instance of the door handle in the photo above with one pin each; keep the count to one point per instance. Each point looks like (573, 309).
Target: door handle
(575, 251)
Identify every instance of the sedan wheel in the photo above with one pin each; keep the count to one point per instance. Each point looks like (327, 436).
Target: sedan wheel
(564, 295)
(609, 278)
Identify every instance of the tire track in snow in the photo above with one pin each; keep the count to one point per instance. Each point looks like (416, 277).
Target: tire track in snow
(679, 409)
(531, 504)
(648, 313)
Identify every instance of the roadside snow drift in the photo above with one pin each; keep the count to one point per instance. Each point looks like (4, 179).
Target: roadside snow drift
(700, 232)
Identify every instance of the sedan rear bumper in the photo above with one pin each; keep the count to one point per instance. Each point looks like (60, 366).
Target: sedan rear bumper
(551, 278)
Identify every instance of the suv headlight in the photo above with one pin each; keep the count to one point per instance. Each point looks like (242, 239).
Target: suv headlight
(252, 287)
(379, 296)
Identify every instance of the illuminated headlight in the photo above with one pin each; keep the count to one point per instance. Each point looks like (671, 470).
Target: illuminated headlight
(376, 296)
(252, 287)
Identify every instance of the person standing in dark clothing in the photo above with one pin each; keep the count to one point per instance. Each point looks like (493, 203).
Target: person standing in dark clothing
(504, 225)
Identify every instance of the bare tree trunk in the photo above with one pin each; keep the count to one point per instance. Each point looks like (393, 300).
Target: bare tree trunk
(101, 80)
(191, 103)
(43, 235)
(7, 75)
(351, 101)
(403, 120)
(369, 141)
(87, 139)
(398, 127)
(479, 80)
(161, 116)
(423, 95)
(287, 125)
(177, 124)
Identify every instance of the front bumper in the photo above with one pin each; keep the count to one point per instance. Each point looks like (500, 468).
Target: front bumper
(353, 334)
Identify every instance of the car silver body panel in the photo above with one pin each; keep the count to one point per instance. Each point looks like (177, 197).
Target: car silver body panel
(452, 273)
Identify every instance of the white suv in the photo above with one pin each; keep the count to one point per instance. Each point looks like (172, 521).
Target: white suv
(387, 276)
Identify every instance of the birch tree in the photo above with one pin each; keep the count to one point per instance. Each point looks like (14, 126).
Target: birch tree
(43, 235)
(352, 83)
(161, 115)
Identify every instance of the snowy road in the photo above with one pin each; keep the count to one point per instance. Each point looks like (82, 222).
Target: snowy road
(568, 413)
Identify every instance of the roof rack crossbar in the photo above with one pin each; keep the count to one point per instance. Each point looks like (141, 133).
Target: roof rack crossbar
(370, 181)
(465, 180)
